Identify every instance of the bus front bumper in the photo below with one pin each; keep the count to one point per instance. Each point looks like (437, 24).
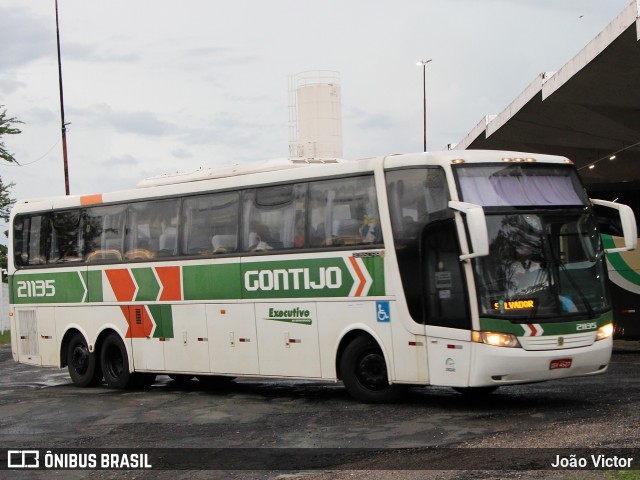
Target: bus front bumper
(503, 366)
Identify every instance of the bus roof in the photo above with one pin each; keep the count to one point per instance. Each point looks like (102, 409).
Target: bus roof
(274, 171)
(448, 157)
(233, 170)
(286, 163)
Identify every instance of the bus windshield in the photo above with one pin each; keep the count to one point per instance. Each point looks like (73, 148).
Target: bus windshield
(517, 185)
(542, 266)
(545, 254)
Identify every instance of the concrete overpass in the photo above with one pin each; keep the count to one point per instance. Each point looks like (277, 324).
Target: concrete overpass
(589, 110)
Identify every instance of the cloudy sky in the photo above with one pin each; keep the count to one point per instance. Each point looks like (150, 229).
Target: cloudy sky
(153, 86)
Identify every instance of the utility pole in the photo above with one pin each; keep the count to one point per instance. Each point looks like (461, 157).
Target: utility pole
(64, 125)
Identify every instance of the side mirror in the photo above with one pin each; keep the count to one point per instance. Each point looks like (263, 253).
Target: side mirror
(628, 221)
(476, 227)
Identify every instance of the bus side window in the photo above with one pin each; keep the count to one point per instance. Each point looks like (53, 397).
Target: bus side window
(66, 239)
(152, 229)
(196, 229)
(210, 224)
(343, 212)
(103, 233)
(31, 238)
(446, 302)
(21, 241)
(273, 218)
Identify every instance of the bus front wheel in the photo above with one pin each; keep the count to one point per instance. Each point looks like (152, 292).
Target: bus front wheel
(364, 372)
(83, 365)
(115, 366)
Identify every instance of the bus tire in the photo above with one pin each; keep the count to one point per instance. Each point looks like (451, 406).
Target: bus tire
(364, 372)
(115, 362)
(84, 368)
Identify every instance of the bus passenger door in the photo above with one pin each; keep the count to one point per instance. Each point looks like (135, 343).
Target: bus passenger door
(448, 320)
(233, 343)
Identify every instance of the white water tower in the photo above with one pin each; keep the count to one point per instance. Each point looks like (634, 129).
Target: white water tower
(315, 117)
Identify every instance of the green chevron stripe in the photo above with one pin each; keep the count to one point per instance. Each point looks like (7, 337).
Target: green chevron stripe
(148, 286)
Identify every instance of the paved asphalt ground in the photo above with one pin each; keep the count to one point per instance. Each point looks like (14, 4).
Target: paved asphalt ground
(314, 430)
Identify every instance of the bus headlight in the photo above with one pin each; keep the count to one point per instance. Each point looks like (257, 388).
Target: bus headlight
(605, 331)
(496, 339)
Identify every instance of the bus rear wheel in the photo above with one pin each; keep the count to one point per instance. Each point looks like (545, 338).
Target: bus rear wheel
(83, 366)
(115, 366)
(364, 372)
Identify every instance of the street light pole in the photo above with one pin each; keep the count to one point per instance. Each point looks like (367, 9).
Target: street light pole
(423, 63)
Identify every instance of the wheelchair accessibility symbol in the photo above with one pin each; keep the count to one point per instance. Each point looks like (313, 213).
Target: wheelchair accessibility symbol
(383, 311)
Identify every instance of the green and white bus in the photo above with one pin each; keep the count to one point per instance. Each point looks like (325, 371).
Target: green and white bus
(469, 269)
(624, 267)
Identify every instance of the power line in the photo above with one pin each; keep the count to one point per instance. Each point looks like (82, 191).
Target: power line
(34, 161)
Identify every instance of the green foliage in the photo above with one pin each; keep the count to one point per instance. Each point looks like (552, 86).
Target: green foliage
(5, 337)
(5, 200)
(7, 127)
(3, 263)
(623, 475)
(5, 209)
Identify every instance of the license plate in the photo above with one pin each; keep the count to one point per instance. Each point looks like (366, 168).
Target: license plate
(560, 363)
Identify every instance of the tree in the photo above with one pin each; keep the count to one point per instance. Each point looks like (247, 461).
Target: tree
(7, 127)
(5, 200)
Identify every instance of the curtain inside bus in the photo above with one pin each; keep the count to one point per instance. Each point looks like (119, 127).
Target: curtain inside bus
(520, 185)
